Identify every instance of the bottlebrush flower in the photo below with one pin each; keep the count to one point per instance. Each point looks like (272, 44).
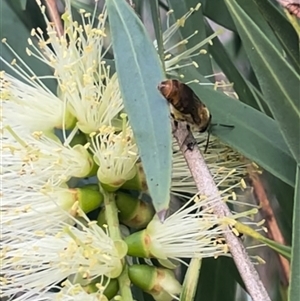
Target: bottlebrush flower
(34, 262)
(191, 232)
(32, 105)
(26, 208)
(69, 292)
(85, 82)
(116, 155)
(36, 159)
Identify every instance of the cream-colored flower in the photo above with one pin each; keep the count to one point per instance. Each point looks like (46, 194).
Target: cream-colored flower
(32, 105)
(193, 231)
(34, 262)
(116, 154)
(34, 160)
(27, 208)
(69, 292)
(85, 82)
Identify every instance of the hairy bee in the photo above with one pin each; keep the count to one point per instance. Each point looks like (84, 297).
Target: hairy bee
(185, 105)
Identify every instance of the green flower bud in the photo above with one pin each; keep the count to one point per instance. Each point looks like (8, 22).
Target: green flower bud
(101, 219)
(99, 283)
(138, 244)
(88, 199)
(79, 138)
(138, 182)
(134, 212)
(158, 282)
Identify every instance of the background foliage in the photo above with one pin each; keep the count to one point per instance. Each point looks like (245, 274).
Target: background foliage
(259, 54)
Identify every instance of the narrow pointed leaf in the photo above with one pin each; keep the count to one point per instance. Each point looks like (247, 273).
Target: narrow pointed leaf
(222, 58)
(217, 11)
(218, 280)
(155, 12)
(283, 29)
(139, 73)
(191, 279)
(294, 291)
(278, 80)
(279, 248)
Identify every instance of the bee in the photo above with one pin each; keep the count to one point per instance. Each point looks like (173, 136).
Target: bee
(185, 105)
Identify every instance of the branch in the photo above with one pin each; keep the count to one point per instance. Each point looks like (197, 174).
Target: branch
(205, 185)
(55, 17)
(274, 231)
(293, 6)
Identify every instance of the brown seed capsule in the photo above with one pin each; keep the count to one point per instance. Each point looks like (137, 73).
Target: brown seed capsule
(185, 105)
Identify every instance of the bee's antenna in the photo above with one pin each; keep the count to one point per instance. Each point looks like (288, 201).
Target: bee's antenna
(211, 125)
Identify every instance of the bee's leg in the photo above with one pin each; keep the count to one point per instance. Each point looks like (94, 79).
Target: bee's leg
(209, 129)
(174, 124)
(189, 141)
(207, 142)
(226, 125)
(221, 124)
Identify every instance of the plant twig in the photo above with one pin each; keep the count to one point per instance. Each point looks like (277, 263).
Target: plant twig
(272, 225)
(111, 212)
(55, 17)
(293, 6)
(205, 185)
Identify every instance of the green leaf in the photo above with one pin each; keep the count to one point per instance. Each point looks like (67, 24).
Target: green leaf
(154, 6)
(195, 23)
(217, 11)
(260, 99)
(22, 4)
(222, 58)
(16, 34)
(252, 10)
(218, 278)
(139, 73)
(189, 286)
(278, 80)
(254, 135)
(283, 29)
(279, 248)
(294, 291)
